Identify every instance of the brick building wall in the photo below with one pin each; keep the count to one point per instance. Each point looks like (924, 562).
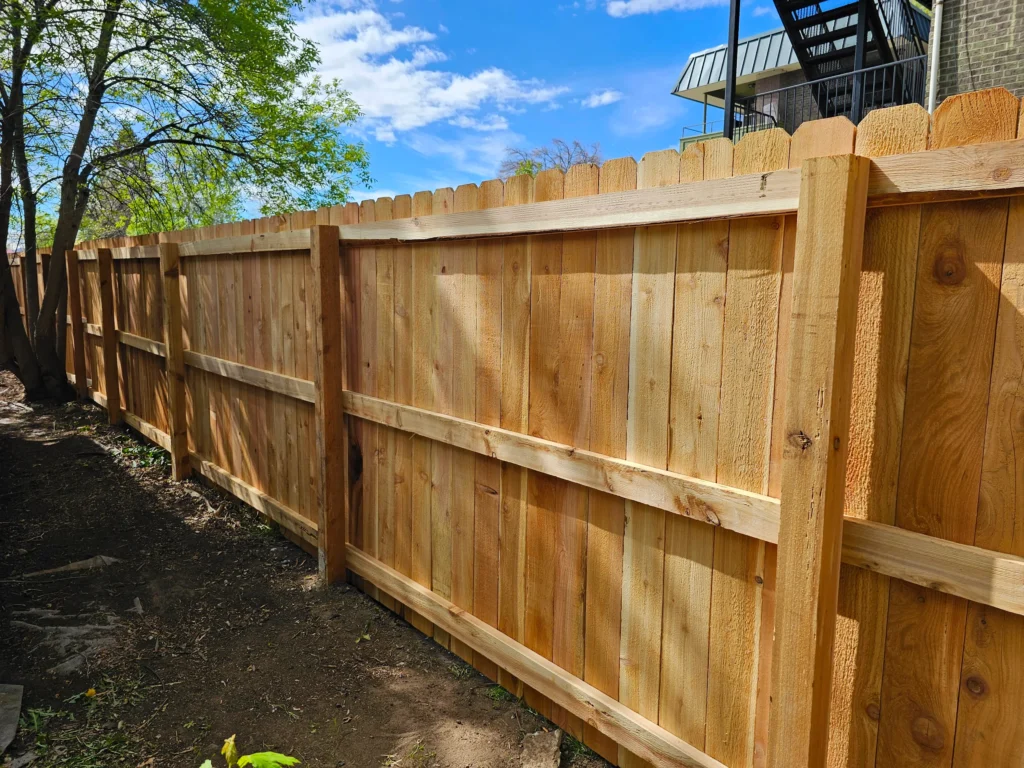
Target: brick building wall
(982, 46)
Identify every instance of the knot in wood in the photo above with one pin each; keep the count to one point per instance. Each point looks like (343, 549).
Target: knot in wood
(976, 685)
(928, 733)
(800, 440)
(950, 267)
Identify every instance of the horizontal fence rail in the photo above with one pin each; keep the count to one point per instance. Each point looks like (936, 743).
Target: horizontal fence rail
(404, 418)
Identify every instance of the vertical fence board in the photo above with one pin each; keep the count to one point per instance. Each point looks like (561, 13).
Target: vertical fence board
(650, 360)
(819, 362)
(544, 492)
(77, 327)
(885, 304)
(403, 364)
(106, 287)
(701, 258)
(515, 389)
(423, 310)
(462, 275)
(613, 290)
(487, 514)
(385, 348)
(573, 392)
(950, 365)
(753, 285)
(329, 377)
(441, 349)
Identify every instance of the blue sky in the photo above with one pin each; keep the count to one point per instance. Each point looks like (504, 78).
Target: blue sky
(446, 85)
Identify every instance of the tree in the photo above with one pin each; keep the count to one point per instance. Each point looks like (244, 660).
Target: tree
(115, 96)
(558, 154)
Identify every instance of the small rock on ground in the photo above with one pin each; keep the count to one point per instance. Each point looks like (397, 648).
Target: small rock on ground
(541, 749)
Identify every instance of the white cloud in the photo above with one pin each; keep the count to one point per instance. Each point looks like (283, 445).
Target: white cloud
(621, 8)
(763, 10)
(489, 123)
(601, 98)
(474, 154)
(392, 74)
(442, 29)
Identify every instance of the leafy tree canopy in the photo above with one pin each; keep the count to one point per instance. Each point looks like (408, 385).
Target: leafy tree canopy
(150, 114)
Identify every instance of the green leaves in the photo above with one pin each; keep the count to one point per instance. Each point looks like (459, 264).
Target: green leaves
(267, 760)
(255, 760)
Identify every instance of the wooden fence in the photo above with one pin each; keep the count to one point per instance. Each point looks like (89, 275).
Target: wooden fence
(713, 457)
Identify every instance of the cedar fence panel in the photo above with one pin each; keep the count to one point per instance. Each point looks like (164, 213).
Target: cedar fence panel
(566, 412)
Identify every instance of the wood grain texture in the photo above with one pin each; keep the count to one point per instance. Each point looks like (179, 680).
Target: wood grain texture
(957, 297)
(385, 350)
(487, 485)
(169, 268)
(650, 365)
(110, 366)
(403, 328)
(813, 138)
(701, 257)
(750, 334)
(572, 394)
(515, 390)
(442, 349)
(331, 428)
(655, 744)
(992, 677)
(885, 305)
(464, 351)
(819, 363)
(369, 365)
(544, 494)
(613, 281)
(423, 301)
(77, 324)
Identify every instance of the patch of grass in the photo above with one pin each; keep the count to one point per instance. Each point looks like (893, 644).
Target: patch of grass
(62, 741)
(461, 670)
(91, 733)
(139, 454)
(499, 696)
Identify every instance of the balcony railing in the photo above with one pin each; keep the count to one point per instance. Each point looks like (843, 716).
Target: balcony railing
(851, 94)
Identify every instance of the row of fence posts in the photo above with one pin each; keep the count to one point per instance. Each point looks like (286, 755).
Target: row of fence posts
(832, 206)
(330, 374)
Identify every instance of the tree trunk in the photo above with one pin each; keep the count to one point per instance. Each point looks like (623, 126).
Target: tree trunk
(28, 204)
(24, 364)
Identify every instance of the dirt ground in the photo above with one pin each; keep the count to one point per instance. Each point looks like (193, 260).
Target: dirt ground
(209, 624)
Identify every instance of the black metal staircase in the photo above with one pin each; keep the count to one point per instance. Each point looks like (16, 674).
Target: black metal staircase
(836, 37)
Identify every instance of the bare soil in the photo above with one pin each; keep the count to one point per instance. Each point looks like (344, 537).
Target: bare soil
(211, 624)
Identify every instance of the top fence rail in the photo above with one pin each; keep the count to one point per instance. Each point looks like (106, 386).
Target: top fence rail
(958, 173)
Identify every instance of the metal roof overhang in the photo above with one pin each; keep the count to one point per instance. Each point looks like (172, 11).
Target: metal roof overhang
(757, 57)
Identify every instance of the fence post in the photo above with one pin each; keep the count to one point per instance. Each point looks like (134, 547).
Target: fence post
(77, 326)
(170, 268)
(110, 379)
(826, 275)
(330, 378)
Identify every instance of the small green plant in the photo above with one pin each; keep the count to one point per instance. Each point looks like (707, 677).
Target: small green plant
(499, 696)
(255, 760)
(461, 671)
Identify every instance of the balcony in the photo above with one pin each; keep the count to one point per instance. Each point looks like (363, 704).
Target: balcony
(851, 94)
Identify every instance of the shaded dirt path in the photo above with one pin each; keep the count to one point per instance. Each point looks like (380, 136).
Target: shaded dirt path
(233, 636)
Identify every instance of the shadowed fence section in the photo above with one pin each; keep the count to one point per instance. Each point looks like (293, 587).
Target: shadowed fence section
(687, 452)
